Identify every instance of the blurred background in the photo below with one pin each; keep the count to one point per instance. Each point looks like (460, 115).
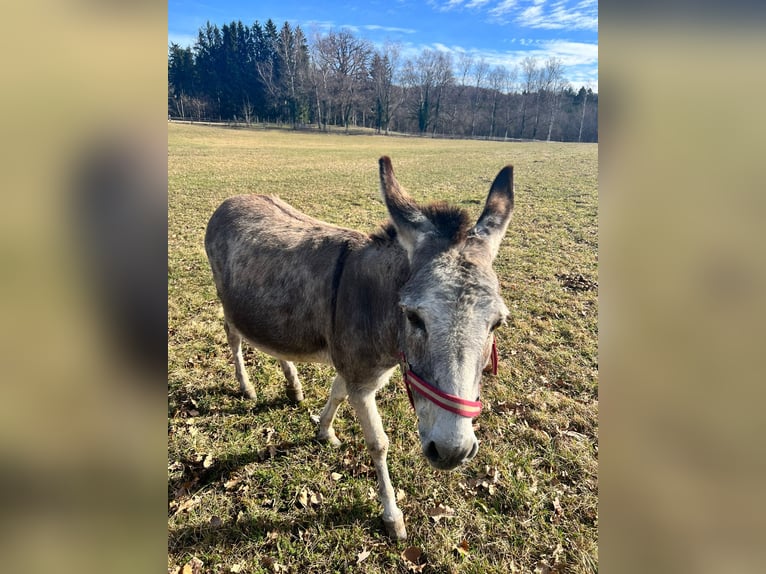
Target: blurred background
(682, 288)
(83, 291)
(83, 253)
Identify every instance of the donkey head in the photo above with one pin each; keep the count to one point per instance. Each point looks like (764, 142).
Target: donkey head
(450, 305)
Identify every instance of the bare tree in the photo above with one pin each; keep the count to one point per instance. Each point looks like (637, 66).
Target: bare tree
(584, 94)
(383, 71)
(347, 59)
(427, 77)
(554, 74)
(529, 74)
(480, 70)
(509, 88)
(497, 81)
(319, 78)
(458, 119)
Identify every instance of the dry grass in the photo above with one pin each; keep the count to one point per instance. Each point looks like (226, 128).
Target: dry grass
(241, 474)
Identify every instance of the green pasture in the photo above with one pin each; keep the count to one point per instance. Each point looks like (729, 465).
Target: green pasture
(250, 490)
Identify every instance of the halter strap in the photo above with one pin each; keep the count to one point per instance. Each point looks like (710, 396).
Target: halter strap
(452, 403)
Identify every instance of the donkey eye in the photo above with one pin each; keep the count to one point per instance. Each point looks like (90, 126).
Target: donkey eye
(415, 320)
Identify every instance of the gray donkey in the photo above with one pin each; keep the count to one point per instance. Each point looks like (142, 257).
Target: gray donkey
(419, 293)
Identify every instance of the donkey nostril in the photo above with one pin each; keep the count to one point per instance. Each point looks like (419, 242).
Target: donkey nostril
(431, 451)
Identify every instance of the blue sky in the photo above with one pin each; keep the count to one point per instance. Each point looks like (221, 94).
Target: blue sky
(500, 31)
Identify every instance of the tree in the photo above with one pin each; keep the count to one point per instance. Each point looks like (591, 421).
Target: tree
(268, 66)
(427, 77)
(292, 54)
(346, 61)
(180, 77)
(497, 82)
(529, 74)
(240, 72)
(554, 73)
(480, 70)
(208, 65)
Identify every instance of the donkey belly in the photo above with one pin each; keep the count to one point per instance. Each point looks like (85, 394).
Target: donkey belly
(281, 310)
(275, 271)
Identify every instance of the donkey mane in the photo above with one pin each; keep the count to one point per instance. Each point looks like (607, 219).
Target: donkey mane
(451, 223)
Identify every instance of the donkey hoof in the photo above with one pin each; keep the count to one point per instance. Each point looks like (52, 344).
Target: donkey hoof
(395, 528)
(328, 438)
(295, 395)
(249, 393)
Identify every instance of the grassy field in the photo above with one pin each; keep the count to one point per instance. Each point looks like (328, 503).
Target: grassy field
(249, 489)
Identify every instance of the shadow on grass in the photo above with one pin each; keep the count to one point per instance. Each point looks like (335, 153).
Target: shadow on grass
(255, 529)
(196, 477)
(242, 406)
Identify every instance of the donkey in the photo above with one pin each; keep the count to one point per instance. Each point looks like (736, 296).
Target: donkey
(419, 293)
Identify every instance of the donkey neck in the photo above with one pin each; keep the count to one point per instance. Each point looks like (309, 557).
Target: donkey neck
(367, 319)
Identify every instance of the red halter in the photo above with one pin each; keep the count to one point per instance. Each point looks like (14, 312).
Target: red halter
(452, 403)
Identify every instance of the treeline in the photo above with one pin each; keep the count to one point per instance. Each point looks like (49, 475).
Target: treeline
(262, 73)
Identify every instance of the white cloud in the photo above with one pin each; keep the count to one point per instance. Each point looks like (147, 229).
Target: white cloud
(559, 15)
(376, 27)
(476, 3)
(503, 8)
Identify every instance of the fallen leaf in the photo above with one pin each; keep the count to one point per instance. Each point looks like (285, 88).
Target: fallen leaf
(413, 559)
(316, 498)
(187, 504)
(362, 556)
(236, 568)
(193, 566)
(276, 567)
(230, 484)
(462, 548)
(336, 476)
(400, 495)
(216, 522)
(314, 419)
(208, 462)
(558, 511)
(303, 498)
(441, 511)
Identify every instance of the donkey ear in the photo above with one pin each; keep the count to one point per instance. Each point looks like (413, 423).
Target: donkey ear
(411, 225)
(493, 221)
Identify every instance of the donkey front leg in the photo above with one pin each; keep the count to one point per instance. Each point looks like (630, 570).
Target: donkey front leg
(377, 443)
(235, 342)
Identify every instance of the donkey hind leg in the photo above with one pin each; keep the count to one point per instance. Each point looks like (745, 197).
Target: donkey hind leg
(293, 386)
(377, 443)
(235, 342)
(338, 394)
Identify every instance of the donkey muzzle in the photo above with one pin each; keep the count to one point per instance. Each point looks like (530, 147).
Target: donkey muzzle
(444, 456)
